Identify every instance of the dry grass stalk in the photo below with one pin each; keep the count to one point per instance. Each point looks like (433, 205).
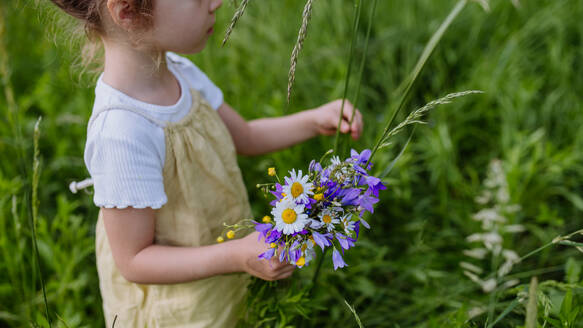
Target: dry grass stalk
(234, 20)
(306, 15)
(416, 115)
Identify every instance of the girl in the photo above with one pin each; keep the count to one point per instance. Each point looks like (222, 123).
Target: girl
(161, 149)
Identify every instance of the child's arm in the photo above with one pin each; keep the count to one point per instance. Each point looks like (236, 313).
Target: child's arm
(269, 134)
(130, 233)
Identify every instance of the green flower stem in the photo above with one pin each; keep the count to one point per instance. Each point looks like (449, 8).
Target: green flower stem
(355, 21)
(317, 273)
(363, 60)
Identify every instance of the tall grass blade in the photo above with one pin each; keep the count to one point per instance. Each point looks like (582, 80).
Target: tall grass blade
(389, 168)
(429, 48)
(35, 205)
(364, 55)
(354, 313)
(355, 22)
(371, 16)
(234, 20)
(504, 313)
(302, 34)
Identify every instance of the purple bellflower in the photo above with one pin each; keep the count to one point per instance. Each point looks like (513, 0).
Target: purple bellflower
(337, 260)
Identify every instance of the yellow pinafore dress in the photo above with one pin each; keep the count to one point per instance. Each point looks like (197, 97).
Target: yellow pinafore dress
(204, 187)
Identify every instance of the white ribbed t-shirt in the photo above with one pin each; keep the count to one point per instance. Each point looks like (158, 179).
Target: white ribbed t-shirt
(125, 151)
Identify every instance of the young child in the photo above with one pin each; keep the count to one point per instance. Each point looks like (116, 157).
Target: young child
(161, 149)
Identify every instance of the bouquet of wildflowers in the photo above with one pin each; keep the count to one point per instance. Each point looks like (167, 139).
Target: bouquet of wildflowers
(323, 208)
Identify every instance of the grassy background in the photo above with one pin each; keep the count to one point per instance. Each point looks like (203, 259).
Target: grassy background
(405, 271)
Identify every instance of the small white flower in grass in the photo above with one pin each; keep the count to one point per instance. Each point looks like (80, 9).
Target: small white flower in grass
(476, 311)
(488, 285)
(514, 228)
(477, 253)
(328, 218)
(289, 217)
(297, 186)
(471, 267)
(511, 283)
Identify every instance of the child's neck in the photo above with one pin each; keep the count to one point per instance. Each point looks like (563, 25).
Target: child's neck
(138, 74)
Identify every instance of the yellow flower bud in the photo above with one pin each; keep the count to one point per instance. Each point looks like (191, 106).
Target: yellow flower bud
(266, 219)
(230, 234)
(301, 261)
(271, 171)
(220, 239)
(319, 197)
(273, 245)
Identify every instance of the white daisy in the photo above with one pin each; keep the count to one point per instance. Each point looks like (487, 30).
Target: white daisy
(334, 161)
(289, 217)
(297, 186)
(348, 224)
(328, 218)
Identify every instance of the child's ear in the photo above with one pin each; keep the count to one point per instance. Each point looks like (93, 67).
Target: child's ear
(123, 13)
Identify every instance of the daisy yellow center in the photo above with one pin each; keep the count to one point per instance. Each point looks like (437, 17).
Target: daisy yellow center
(296, 189)
(289, 216)
(327, 219)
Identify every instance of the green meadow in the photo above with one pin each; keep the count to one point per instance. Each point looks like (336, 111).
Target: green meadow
(500, 172)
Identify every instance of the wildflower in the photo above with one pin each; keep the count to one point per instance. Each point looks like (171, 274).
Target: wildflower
(266, 219)
(230, 234)
(322, 240)
(374, 185)
(289, 217)
(267, 254)
(263, 229)
(335, 161)
(298, 187)
(319, 196)
(220, 239)
(350, 196)
(328, 218)
(364, 223)
(301, 262)
(366, 201)
(314, 167)
(337, 259)
(360, 159)
(271, 171)
(345, 242)
(348, 224)
(273, 236)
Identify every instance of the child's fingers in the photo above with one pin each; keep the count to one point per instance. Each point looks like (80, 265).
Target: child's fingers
(344, 127)
(286, 273)
(357, 125)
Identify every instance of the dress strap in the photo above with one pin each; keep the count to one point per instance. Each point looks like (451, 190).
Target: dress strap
(98, 112)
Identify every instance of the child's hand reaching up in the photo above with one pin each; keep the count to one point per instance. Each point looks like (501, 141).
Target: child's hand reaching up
(270, 270)
(265, 135)
(327, 115)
